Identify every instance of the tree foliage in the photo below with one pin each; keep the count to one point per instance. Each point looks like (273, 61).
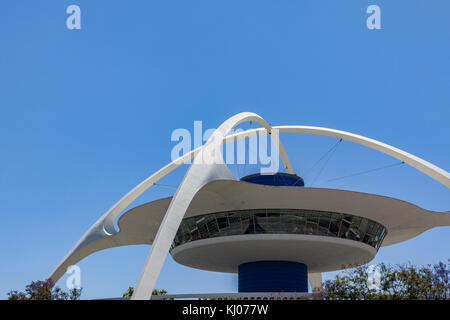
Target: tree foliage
(395, 282)
(44, 290)
(155, 292)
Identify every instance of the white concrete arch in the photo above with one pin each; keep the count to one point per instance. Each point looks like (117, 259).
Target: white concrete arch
(426, 167)
(98, 236)
(208, 165)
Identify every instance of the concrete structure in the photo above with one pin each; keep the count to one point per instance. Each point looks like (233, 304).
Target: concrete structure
(250, 220)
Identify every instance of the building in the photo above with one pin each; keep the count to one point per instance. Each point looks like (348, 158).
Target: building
(270, 229)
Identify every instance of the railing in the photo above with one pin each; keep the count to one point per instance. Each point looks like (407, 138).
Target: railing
(237, 296)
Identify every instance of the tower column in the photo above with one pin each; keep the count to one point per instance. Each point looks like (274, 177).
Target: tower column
(273, 276)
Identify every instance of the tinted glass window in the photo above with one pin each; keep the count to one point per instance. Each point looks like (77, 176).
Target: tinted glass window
(280, 221)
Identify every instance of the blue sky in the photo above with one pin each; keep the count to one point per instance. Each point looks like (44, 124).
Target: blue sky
(87, 114)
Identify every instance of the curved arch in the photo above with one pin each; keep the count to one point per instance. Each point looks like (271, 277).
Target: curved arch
(426, 167)
(104, 227)
(208, 165)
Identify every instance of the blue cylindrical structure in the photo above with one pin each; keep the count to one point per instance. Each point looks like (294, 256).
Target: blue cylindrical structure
(273, 276)
(277, 179)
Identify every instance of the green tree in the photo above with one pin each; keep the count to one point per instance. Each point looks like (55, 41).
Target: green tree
(44, 290)
(394, 282)
(155, 292)
(128, 293)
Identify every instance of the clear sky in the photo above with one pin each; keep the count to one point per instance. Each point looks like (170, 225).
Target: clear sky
(87, 114)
